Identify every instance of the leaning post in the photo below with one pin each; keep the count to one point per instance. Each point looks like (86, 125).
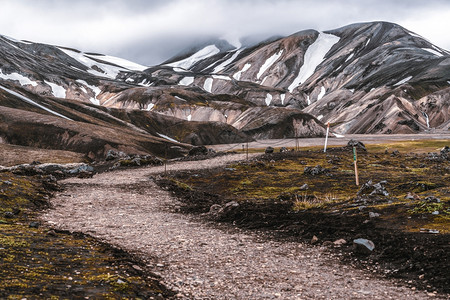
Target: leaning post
(356, 166)
(326, 137)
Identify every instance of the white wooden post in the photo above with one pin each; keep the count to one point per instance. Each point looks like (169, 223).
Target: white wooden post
(326, 137)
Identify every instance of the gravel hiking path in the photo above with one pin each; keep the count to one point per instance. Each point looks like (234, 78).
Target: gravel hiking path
(199, 261)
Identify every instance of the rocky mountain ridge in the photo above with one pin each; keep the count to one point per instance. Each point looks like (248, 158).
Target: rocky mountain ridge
(363, 78)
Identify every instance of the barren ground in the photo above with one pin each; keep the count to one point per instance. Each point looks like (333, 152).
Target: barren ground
(200, 261)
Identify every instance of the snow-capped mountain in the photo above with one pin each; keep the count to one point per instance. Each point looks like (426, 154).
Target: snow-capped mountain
(343, 76)
(362, 78)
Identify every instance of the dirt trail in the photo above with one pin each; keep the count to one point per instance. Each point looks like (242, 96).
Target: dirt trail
(128, 210)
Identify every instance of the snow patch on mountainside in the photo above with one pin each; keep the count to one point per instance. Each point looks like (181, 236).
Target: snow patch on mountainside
(432, 51)
(57, 91)
(321, 94)
(350, 57)
(222, 77)
(94, 88)
(179, 98)
(208, 85)
(238, 74)
(268, 63)
(17, 77)
(204, 53)
(186, 81)
(119, 62)
(314, 56)
(227, 62)
(167, 138)
(268, 99)
(282, 96)
(108, 70)
(34, 103)
(403, 81)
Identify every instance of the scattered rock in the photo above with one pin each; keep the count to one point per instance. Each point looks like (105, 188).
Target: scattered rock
(304, 187)
(112, 155)
(395, 153)
(412, 196)
(363, 246)
(198, 150)
(369, 188)
(354, 143)
(269, 150)
(8, 215)
(82, 168)
(34, 224)
(373, 215)
(214, 210)
(445, 150)
(432, 199)
(218, 212)
(314, 240)
(283, 149)
(315, 171)
(340, 242)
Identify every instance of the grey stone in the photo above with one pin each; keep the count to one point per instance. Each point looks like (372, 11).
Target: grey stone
(269, 150)
(304, 187)
(357, 144)
(363, 245)
(373, 215)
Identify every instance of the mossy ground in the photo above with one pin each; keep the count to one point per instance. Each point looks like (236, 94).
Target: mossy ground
(270, 196)
(41, 263)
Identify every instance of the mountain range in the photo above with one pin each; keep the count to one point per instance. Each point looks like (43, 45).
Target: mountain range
(364, 78)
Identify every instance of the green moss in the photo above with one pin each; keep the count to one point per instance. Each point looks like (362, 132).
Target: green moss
(280, 177)
(36, 263)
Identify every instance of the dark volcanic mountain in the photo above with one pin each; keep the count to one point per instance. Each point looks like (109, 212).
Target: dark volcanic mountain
(362, 78)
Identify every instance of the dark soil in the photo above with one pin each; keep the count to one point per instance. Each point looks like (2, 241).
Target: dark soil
(37, 262)
(401, 251)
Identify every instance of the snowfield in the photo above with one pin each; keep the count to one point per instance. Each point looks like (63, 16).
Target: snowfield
(208, 85)
(109, 71)
(186, 81)
(268, 99)
(94, 88)
(238, 74)
(119, 62)
(314, 56)
(34, 103)
(204, 53)
(227, 62)
(403, 81)
(57, 91)
(268, 63)
(321, 94)
(16, 76)
(432, 51)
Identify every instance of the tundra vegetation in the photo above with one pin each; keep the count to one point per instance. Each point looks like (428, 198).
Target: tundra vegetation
(402, 203)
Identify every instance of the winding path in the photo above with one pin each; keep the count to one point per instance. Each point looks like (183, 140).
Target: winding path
(126, 209)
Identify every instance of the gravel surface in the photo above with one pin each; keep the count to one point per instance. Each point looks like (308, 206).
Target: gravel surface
(199, 261)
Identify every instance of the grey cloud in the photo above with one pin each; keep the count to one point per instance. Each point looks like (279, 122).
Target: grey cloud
(152, 31)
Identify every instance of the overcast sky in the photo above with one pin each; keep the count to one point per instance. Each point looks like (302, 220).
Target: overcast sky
(150, 31)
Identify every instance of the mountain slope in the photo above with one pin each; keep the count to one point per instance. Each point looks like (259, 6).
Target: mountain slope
(363, 78)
